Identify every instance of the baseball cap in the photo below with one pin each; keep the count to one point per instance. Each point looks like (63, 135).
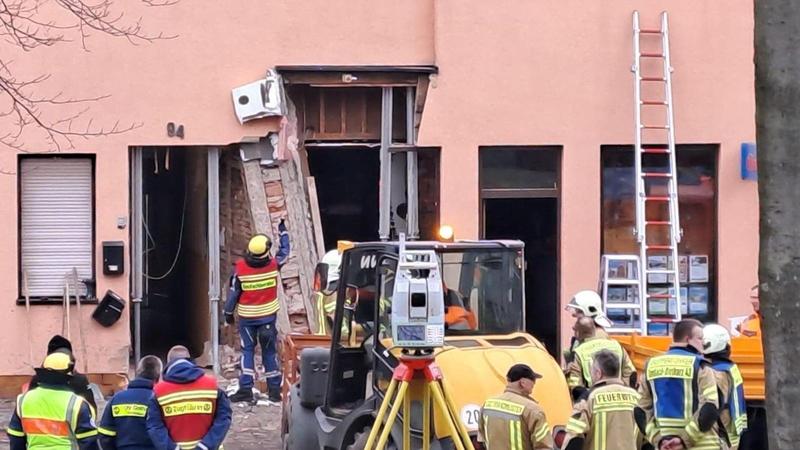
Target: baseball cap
(519, 371)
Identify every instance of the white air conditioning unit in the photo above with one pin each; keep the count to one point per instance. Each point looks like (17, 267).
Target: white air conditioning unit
(263, 98)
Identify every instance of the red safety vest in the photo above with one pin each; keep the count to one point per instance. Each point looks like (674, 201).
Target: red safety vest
(188, 409)
(259, 290)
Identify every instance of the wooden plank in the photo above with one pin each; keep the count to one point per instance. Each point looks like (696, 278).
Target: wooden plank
(254, 184)
(301, 229)
(316, 219)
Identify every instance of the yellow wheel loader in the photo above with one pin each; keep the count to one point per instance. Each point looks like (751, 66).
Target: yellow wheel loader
(335, 384)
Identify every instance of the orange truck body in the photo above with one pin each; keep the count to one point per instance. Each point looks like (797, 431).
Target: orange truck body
(748, 353)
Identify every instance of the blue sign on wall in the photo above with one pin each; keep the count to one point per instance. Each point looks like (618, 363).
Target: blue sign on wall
(749, 162)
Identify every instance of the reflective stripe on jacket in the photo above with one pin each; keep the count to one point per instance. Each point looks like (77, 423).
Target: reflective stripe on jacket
(50, 418)
(580, 370)
(188, 409)
(733, 412)
(513, 421)
(676, 385)
(605, 419)
(259, 286)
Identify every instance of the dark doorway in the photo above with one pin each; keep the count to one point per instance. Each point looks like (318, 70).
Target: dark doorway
(175, 257)
(535, 222)
(347, 191)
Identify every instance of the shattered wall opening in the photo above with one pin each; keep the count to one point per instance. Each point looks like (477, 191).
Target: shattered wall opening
(175, 259)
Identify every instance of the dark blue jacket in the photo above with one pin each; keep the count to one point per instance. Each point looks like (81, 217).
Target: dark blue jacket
(235, 290)
(124, 419)
(183, 371)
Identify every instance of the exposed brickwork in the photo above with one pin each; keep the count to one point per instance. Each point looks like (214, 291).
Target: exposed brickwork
(293, 295)
(236, 226)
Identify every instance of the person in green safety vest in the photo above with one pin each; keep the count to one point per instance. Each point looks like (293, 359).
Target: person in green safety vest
(325, 296)
(51, 416)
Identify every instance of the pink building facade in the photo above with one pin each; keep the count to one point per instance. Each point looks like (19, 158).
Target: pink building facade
(548, 77)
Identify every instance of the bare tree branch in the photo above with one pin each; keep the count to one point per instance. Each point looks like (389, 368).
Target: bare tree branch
(28, 25)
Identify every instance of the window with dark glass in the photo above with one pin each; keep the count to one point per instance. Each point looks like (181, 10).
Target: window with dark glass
(697, 192)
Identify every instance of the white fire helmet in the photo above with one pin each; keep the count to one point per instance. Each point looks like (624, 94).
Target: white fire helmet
(333, 259)
(591, 305)
(715, 338)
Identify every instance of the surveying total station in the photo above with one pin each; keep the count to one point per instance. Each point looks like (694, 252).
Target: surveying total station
(418, 317)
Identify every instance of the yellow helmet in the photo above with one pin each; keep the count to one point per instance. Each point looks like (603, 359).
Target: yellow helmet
(259, 246)
(57, 361)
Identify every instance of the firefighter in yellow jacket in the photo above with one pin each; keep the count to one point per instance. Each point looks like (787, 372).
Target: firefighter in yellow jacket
(579, 377)
(679, 394)
(605, 420)
(325, 285)
(730, 384)
(513, 420)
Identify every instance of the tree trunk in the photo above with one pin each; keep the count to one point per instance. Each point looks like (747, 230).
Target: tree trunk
(777, 58)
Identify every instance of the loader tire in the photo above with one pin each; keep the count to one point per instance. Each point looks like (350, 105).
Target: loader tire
(297, 434)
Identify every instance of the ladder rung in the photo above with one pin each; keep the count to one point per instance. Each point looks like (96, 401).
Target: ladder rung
(660, 151)
(656, 175)
(623, 305)
(650, 31)
(654, 102)
(653, 79)
(655, 146)
(660, 272)
(617, 282)
(657, 199)
(657, 222)
(661, 320)
(651, 55)
(655, 127)
(659, 247)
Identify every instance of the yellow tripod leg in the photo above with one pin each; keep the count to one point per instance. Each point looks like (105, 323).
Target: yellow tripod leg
(373, 433)
(461, 428)
(426, 419)
(407, 422)
(387, 428)
(438, 398)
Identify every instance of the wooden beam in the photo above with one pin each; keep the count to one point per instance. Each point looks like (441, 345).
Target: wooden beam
(254, 184)
(316, 219)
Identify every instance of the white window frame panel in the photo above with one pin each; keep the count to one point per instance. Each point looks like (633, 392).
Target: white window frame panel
(56, 223)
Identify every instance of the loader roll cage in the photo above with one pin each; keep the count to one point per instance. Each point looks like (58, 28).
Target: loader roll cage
(483, 296)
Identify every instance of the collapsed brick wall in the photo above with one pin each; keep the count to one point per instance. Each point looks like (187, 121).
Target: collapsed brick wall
(290, 272)
(237, 225)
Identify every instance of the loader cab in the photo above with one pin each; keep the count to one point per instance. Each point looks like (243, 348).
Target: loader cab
(484, 295)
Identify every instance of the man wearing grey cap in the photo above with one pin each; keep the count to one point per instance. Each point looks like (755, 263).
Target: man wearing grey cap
(513, 420)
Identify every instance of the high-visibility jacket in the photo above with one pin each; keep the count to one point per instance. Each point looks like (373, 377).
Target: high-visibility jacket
(514, 421)
(751, 327)
(569, 355)
(259, 286)
(676, 385)
(52, 418)
(188, 409)
(580, 369)
(605, 420)
(733, 408)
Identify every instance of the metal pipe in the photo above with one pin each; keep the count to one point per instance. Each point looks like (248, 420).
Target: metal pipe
(137, 254)
(213, 252)
(412, 200)
(385, 185)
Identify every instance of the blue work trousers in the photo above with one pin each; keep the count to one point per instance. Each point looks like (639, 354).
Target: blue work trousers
(265, 335)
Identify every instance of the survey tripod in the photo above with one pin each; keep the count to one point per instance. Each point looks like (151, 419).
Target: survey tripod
(417, 367)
